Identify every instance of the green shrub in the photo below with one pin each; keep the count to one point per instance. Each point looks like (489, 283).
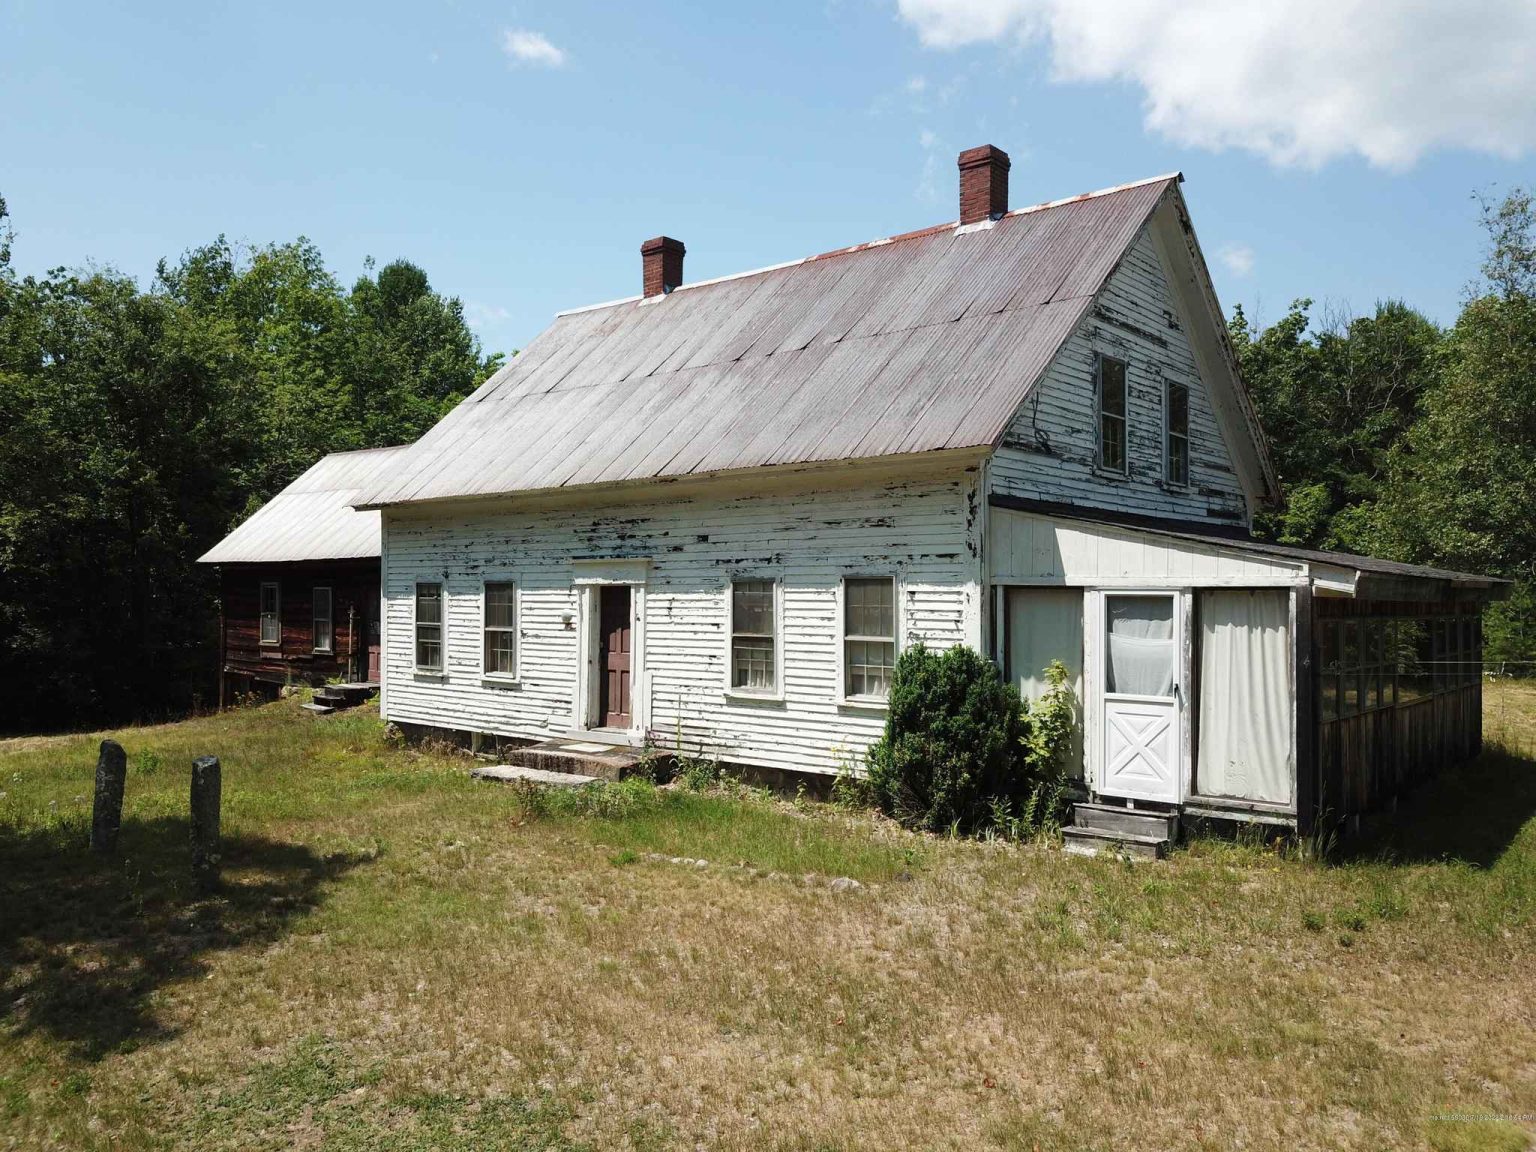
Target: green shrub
(951, 745)
(963, 753)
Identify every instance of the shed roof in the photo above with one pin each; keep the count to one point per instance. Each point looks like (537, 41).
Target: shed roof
(313, 518)
(918, 343)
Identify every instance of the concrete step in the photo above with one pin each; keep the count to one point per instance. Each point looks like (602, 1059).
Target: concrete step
(532, 775)
(1135, 821)
(576, 757)
(354, 693)
(1092, 841)
(318, 709)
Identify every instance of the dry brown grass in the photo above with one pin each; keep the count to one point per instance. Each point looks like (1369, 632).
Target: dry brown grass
(404, 959)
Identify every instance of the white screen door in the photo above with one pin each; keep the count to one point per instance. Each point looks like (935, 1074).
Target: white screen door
(1140, 757)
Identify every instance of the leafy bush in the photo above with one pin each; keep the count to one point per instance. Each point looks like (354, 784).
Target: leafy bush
(963, 753)
(951, 742)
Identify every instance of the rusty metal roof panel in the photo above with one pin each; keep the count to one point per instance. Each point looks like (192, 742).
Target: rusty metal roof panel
(313, 518)
(916, 343)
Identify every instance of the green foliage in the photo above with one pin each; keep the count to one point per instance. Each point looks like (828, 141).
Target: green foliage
(961, 753)
(1333, 402)
(1397, 439)
(142, 425)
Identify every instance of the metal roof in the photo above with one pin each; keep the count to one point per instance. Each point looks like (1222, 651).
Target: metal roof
(918, 343)
(313, 518)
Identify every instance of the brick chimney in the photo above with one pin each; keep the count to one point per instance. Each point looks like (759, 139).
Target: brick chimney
(662, 260)
(983, 184)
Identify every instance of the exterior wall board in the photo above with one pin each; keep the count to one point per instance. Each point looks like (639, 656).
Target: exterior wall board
(924, 532)
(1026, 548)
(1050, 450)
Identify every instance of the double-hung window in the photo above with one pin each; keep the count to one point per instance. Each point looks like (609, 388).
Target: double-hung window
(271, 617)
(869, 636)
(320, 618)
(500, 626)
(754, 636)
(429, 627)
(1112, 422)
(1176, 433)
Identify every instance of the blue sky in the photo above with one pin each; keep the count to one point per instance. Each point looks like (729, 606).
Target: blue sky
(521, 152)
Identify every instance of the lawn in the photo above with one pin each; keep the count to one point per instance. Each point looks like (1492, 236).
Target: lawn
(403, 958)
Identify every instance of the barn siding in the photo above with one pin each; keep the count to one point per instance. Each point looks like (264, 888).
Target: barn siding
(923, 531)
(1050, 449)
(354, 588)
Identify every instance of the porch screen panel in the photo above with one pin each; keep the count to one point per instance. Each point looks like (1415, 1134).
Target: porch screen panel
(1245, 747)
(1046, 624)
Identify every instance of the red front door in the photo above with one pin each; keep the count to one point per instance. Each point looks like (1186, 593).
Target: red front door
(613, 626)
(370, 611)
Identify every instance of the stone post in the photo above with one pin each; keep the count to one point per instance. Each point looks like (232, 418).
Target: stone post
(205, 821)
(107, 813)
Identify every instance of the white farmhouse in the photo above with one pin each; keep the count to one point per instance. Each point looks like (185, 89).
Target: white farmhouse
(716, 513)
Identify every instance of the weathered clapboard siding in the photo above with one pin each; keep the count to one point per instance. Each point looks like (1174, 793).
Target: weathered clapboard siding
(1050, 450)
(921, 531)
(1024, 547)
(354, 588)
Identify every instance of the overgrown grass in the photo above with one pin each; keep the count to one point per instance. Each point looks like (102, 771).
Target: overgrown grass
(401, 957)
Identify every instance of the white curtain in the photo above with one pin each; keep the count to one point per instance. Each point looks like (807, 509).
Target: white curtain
(1245, 696)
(1141, 655)
(1046, 624)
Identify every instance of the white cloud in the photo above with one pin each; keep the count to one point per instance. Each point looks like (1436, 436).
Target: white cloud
(525, 47)
(1236, 259)
(1296, 81)
(917, 85)
(928, 183)
(480, 316)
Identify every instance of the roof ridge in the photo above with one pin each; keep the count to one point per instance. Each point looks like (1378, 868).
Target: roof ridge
(898, 238)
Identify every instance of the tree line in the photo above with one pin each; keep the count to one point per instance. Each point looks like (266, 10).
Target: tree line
(141, 424)
(1395, 437)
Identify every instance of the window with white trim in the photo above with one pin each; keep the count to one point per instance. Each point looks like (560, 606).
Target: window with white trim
(1112, 413)
(320, 618)
(1176, 433)
(754, 636)
(500, 627)
(271, 616)
(429, 627)
(869, 636)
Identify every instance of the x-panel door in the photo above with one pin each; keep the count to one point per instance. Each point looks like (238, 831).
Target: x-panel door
(1141, 696)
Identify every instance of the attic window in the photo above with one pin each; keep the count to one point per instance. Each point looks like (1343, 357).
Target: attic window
(1111, 393)
(1176, 433)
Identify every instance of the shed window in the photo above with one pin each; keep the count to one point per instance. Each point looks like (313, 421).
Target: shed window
(754, 636)
(320, 618)
(271, 618)
(869, 636)
(501, 629)
(1176, 438)
(429, 627)
(1111, 392)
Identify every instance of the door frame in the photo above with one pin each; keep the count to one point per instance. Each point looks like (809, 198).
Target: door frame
(1096, 679)
(589, 576)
